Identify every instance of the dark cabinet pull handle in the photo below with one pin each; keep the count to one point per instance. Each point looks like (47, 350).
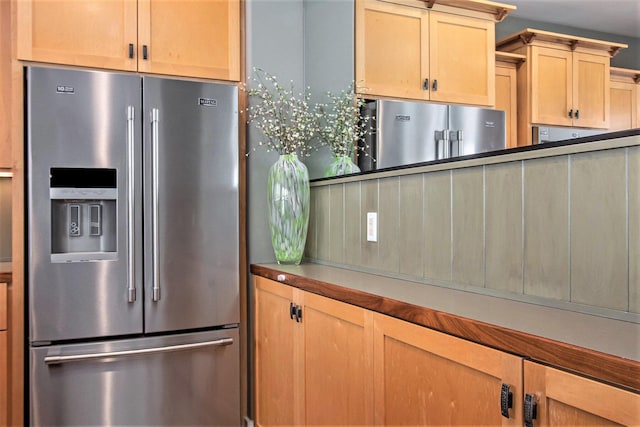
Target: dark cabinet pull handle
(425, 86)
(577, 114)
(506, 400)
(145, 53)
(130, 50)
(292, 310)
(530, 410)
(298, 313)
(571, 114)
(435, 85)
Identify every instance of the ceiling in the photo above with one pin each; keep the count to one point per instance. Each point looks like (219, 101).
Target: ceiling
(620, 17)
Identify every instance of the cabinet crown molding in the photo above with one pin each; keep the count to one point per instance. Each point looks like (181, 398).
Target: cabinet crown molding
(531, 36)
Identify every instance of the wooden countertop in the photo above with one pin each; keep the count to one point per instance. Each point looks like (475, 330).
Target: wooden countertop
(5, 272)
(607, 349)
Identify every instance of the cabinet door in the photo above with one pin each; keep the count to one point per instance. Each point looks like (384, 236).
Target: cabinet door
(424, 377)
(196, 38)
(4, 357)
(274, 338)
(391, 49)
(566, 399)
(591, 90)
(461, 59)
(551, 86)
(624, 105)
(507, 100)
(85, 33)
(338, 363)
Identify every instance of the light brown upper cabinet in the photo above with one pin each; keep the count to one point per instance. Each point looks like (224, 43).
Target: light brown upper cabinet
(625, 97)
(434, 50)
(507, 92)
(195, 39)
(564, 82)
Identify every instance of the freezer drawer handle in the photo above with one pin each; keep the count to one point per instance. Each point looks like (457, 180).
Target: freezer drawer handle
(56, 360)
(131, 289)
(155, 117)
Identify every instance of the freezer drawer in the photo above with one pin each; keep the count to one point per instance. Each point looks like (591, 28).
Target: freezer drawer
(189, 379)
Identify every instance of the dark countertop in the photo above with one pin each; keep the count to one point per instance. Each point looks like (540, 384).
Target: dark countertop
(607, 349)
(515, 150)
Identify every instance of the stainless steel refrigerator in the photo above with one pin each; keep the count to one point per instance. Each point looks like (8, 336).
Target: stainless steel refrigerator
(408, 132)
(133, 259)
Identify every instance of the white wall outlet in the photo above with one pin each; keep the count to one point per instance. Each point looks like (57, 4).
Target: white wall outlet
(372, 226)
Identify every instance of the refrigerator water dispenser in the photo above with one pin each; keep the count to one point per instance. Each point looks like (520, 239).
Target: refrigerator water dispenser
(83, 214)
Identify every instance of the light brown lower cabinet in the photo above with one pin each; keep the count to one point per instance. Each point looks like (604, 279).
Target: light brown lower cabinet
(4, 357)
(562, 398)
(319, 361)
(313, 359)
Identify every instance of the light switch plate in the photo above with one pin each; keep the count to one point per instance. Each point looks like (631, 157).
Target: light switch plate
(372, 226)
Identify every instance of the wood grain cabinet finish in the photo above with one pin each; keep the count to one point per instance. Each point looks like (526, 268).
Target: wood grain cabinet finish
(625, 97)
(313, 359)
(4, 357)
(195, 39)
(425, 377)
(444, 53)
(565, 399)
(564, 82)
(507, 92)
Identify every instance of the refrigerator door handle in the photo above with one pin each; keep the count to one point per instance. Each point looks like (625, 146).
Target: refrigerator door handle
(131, 286)
(56, 360)
(155, 114)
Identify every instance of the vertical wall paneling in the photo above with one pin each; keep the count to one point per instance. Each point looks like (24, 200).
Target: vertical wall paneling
(352, 222)
(323, 223)
(370, 258)
(546, 253)
(598, 229)
(411, 227)
(336, 232)
(468, 226)
(503, 226)
(633, 167)
(388, 224)
(310, 249)
(437, 225)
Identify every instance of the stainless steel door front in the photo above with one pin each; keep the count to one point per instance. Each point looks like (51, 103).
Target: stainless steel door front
(83, 122)
(190, 379)
(191, 200)
(407, 132)
(482, 129)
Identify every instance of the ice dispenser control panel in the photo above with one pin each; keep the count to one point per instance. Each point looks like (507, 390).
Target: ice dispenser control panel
(83, 214)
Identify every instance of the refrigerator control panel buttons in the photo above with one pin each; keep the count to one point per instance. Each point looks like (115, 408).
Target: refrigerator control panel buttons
(74, 220)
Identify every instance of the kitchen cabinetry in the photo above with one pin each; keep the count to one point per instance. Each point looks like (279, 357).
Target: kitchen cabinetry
(4, 357)
(564, 82)
(625, 97)
(507, 92)
(197, 39)
(424, 377)
(313, 359)
(421, 50)
(562, 398)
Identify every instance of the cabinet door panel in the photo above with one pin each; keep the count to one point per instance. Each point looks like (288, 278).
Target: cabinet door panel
(591, 90)
(623, 111)
(391, 49)
(552, 80)
(85, 33)
(338, 365)
(462, 59)
(196, 38)
(424, 377)
(4, 378)
(274, 354)
(567, 399)
(506, 99)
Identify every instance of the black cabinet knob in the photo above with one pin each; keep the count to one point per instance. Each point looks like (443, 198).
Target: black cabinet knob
(530, 410)
(130, 50)
(145, 52)
(425, 85)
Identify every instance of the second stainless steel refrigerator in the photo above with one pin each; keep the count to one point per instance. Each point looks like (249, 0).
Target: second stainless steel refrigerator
(133, 254)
